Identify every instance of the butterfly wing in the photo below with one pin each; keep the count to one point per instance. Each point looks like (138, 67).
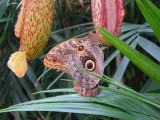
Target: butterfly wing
(17, 63)
(78, 52)
(86, 84)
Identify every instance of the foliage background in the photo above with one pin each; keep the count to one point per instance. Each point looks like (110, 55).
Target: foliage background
(72, 24)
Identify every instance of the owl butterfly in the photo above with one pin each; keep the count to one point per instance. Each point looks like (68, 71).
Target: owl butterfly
(83, 53)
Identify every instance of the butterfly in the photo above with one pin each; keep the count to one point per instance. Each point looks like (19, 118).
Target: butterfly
(83, 53)
(18, 63)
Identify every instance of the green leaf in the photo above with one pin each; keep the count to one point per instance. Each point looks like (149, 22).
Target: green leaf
(56, 90)
(33, 77)
(152, 8)
(3, 6)
(116, 52)
(151, 14)
(149, 67)
(56, 79)
(4, 19)
(72, 102)
(5, 30)
(75, 26)
(116, 83)
(150, 85)
(85, 108)
(150, 47)
(127, 103)
(113, 99)
(128, 34)
(128, 27)
(122, 67)
(44, 72)
(3, 36)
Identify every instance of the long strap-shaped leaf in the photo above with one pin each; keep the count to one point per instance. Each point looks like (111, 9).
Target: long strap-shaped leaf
(149, 67)
(132, 92)
(151, 14)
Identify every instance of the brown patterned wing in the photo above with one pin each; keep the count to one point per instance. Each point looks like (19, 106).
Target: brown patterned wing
(82, 53)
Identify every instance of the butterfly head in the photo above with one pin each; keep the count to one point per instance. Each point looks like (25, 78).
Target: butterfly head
(54, 61)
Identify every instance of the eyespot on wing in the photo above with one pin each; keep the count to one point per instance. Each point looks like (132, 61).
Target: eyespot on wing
(89, 65)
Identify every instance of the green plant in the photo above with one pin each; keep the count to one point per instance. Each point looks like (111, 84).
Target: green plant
(112, 102)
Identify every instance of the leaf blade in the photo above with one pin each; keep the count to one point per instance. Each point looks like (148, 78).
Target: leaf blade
(141, 61)
(151, 15)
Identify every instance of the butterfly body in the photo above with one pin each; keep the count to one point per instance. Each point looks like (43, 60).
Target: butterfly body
(83, 53)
